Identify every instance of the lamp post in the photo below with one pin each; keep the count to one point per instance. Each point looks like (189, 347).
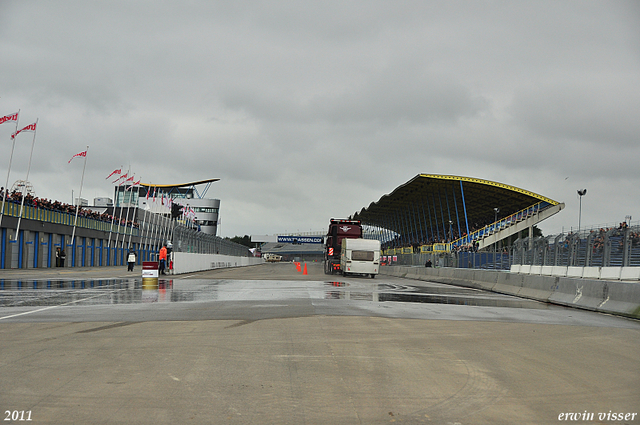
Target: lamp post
(581, 193)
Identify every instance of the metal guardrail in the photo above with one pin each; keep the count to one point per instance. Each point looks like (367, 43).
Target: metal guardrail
(612, 247)
(12, 209)
(190, 240)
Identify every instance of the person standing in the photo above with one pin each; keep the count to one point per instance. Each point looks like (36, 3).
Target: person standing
(58, 256)
(131, 260)
(63, 256)
(163, 258)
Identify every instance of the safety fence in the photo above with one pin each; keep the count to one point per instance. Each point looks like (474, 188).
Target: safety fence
(12, 209)
(602, 247)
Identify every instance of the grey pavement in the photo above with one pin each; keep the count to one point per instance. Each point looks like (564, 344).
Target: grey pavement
(266, 344)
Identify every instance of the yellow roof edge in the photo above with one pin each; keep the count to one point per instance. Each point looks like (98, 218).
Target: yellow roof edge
(490, 183)
(179, 185)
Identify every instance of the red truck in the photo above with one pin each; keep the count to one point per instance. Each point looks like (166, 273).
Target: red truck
(339, 229)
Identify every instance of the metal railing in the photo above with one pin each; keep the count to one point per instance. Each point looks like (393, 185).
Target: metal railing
(12, 209)
(190, 240)
(469, 239)
(611, 247)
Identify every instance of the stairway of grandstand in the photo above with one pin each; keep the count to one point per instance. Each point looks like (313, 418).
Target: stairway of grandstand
(503, 228)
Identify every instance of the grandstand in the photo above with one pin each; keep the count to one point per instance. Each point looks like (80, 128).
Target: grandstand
(446, 213)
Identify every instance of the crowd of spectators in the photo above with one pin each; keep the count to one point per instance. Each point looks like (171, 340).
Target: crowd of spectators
(46, 204)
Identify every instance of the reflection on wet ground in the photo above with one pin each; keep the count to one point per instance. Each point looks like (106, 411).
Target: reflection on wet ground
(16, 293)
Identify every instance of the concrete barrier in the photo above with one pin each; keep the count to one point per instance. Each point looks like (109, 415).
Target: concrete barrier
(575, 272)
(187, 262)
(591, 273)
(582, 293)
(610, 273)
(535, 270)
(621, 298)
(539, 288)
(630, 273)
(615, 297)
(509, 283)
(559, 271)
(546, 271)
(515, 268)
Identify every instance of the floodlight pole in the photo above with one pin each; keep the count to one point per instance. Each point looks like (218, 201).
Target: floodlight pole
(581, 193)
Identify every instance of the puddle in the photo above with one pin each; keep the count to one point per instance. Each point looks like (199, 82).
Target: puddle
(17, 293)
(488, 301)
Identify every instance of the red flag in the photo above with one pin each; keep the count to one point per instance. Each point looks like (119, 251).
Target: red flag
(148, 190)
(118, 171)
(136, 183)
(154, 194)
(30, 127)
(83, 154)
(124, 176)
(10, 117)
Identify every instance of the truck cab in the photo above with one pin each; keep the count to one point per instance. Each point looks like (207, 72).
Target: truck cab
(339, 229)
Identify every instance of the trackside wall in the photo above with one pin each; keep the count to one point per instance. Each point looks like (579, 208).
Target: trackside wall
(186, 262)
(606, 296)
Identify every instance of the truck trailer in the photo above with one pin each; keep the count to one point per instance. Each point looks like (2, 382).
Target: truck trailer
(339, 229)
(360, 256)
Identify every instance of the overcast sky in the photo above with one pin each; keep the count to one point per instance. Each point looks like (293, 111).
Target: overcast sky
(308, 110)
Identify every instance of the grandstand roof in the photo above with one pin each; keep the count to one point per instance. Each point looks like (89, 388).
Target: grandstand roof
(179, 184)
(430, 199)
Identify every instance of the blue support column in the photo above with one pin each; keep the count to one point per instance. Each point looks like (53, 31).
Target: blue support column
(464, 206)
(424, 215)
(444, 224)
(435, 216)
(20, 248)
(455, 203)
(416, 213)
(36, 246)
(398, 239)
(49, 250)
(3, 241)
(446, 197)
(412, 233)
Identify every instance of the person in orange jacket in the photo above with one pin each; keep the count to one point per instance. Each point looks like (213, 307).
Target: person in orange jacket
(163, 258)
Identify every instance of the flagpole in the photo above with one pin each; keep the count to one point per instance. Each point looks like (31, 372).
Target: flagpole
(143, 230)
(33, 142)
(120, 216)
(132, 221)
(127, 217)
(6, 189)
(75, 221)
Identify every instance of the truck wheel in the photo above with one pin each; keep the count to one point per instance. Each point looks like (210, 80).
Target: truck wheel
(373, 276)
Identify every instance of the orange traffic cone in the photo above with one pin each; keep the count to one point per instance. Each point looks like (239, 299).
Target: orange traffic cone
(305, 268)
(298, 267)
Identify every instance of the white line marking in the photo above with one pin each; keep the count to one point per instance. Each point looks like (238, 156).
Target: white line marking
(59, 305)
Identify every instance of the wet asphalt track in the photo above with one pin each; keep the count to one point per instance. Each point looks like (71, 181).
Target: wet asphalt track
(266, 344)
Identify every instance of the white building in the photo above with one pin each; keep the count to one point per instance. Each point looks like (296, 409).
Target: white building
(158, 198)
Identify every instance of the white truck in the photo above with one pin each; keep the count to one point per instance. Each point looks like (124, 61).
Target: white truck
(360, 256)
